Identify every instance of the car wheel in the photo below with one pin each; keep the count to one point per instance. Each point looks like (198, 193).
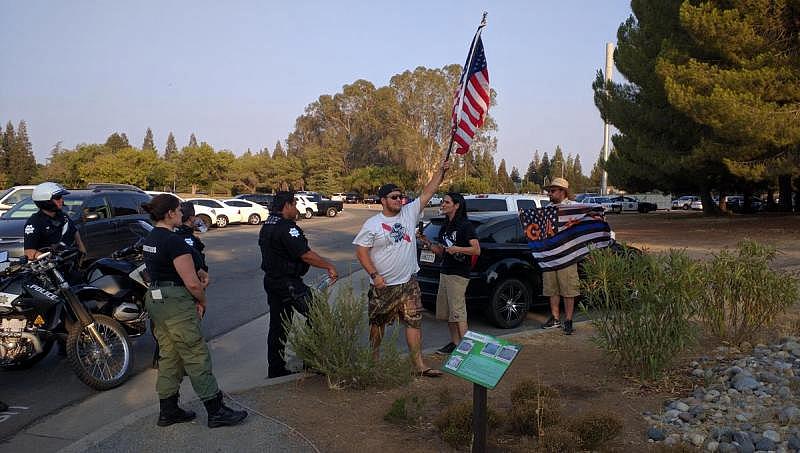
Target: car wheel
(686, 207)
(331, 212)
(222, 221)
(206, 220)
(254, 219)
(510, 302)
(309, 214)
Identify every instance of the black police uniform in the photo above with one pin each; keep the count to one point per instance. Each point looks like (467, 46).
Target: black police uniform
(282, 244)
(187, 233)
(42, 231)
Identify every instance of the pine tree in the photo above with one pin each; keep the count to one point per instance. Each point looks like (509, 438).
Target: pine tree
(515, 175)
(171, 149)
(9, 137)
(21, 163)
(544, 168)
(192, 141)
(557, 164)
(278, 151)
(117, 142)
(148, 143)
(124, 137)
(504, 183)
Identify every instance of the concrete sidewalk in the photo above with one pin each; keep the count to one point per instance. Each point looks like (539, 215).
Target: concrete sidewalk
(124, 419)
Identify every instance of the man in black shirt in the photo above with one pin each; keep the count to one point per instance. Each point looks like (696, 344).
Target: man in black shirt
(285, 259)
(49, 226)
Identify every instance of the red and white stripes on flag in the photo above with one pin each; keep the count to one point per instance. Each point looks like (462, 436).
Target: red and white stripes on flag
(472, 99)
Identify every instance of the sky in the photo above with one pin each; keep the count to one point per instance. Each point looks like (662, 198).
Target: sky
(238, 73)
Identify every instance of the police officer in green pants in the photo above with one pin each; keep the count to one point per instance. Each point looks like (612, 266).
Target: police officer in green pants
(176, 302)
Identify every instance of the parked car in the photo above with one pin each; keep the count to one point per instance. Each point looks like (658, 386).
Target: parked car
(353, 197)
(606, 202)
(264, 199)
(253, 212)
(735, 203)
(103, 218)
(225, 215)
(372, 199)
(685, 202)
(504, 281)
(505, 202)
(630, 204)
(697, 205)
(339, 196)
(324, 206)
(435, 200)
(579, 197)
(13, 195)
(204, 213)
(305, 207)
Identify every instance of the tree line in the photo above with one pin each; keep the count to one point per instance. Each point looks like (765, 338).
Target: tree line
(710, 101)
(356, 139)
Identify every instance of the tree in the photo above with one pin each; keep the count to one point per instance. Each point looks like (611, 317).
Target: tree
(192, 141)
(117, 141)
(278, 151)
(199, 167)
(504, 183)
(741, 80)
(171, 149)
(148, 144)
(532, 174)
(515, 175)
(126, 166)
(558, 164)
(544, 169)
(20, 162)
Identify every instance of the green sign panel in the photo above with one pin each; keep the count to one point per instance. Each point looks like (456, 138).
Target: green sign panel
(481, 359)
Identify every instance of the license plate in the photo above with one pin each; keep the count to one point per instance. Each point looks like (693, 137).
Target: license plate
(427, 256)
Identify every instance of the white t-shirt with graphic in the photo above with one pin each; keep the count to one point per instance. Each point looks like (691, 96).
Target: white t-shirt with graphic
(392, 243)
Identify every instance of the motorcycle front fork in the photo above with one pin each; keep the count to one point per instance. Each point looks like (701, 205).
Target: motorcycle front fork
(81, 313)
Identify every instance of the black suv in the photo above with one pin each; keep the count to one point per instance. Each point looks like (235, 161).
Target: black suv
(103, 216)
(264, 199)
(504, 281)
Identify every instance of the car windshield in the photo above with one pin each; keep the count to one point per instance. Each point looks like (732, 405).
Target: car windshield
(27, 207)
(486, 205)
(5, 192)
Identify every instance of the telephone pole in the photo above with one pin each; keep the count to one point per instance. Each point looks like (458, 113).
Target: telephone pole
(609, 67)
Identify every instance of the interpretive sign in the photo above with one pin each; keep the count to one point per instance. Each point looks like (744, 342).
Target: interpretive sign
(481, 359)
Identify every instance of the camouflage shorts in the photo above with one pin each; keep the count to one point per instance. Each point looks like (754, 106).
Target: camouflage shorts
(402, 301)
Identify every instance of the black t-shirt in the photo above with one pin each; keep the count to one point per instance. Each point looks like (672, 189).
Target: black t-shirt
(41, 230)
(199, 258)
(160, 248)
(282, 244)
(458, 232)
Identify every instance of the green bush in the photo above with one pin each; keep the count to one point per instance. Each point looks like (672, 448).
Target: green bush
(334, 343)
(742, 295)
(641, 306)
(534, 406)
(455, 424)
(595, 428)
(405, 411)
(531, 389)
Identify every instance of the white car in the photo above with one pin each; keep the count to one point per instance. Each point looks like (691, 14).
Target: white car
(224, 214)
(608, 205)
(339, 196)
(435, 201)
(204, 213)
(306, 207)
(13, 195)
(505, 202)
(254, 213)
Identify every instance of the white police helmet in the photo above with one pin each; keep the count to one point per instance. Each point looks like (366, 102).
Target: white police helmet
(43, 195)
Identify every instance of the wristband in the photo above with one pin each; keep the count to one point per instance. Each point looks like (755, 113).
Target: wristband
(373, 275)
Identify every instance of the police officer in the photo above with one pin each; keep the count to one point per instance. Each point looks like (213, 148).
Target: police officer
(190, 224)
(176, 301)
(285, 259)
(49, 226)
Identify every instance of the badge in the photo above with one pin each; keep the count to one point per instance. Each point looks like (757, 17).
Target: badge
(39, 321)
(189, 241)
(29, 229)
(293, 231)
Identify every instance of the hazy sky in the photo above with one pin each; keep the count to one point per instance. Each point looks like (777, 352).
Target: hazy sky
(238, 73)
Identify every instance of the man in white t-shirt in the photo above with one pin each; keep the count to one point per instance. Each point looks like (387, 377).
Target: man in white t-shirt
(386, 247)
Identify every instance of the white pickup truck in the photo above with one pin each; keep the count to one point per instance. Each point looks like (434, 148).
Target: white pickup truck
(505, 202)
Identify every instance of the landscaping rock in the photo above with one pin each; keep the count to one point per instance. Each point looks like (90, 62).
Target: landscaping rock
(794, 442)
(743, 382)
(772, 435)
(656, 434)
(765, 444)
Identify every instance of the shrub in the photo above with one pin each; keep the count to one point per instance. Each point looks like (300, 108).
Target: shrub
(455, 423)
(531, 417)
(742, 295)
(557, 440)
(334, 343)
(531, 390)
(642, 306)
(405, 411)
(595, 428)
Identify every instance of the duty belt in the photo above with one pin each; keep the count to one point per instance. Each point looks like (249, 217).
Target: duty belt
(160, 283)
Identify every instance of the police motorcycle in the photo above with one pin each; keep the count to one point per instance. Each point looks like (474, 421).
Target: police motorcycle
(38, 307)
(117, 285)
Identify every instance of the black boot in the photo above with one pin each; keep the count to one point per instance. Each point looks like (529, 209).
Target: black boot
(221, 415)
(171, 413)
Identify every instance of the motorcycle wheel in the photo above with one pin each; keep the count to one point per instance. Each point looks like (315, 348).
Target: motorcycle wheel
(93, 366)
(31, 361)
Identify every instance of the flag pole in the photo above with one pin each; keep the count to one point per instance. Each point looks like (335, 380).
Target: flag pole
(464, 84)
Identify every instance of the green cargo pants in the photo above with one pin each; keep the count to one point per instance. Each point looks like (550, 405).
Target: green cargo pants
(183, 349)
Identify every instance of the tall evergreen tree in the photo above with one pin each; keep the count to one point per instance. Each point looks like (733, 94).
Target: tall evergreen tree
(558, 164)
(148, 144)
(8, 137)
(544, 168)
(192, 141)
(278, 151)
(532, 174)
(171, 149)
(124, 137)
(20, 160)
(515, 175)
(504, 183)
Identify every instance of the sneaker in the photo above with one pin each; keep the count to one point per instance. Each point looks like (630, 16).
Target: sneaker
(551, 322)
(446, 349)
(568, 327)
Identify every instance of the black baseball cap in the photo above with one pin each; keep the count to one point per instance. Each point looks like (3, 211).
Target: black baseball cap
(386, 189)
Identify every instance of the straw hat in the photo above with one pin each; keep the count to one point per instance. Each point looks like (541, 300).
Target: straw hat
(558, 182)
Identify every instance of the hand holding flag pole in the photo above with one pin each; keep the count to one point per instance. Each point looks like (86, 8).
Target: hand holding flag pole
(472, 96)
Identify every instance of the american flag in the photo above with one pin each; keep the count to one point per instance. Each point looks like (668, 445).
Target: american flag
(472, 99)
(562, 235)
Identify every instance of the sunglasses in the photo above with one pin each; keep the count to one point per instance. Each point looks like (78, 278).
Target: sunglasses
(394, 197)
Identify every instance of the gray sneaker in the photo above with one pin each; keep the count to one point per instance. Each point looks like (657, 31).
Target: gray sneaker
(551, 323)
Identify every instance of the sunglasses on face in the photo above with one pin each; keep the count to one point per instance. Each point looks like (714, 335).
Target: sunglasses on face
(394, 197)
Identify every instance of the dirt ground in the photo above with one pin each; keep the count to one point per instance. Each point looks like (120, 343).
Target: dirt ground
(353, 420)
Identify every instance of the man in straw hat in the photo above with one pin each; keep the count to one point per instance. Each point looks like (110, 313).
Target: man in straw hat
(563, 282)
